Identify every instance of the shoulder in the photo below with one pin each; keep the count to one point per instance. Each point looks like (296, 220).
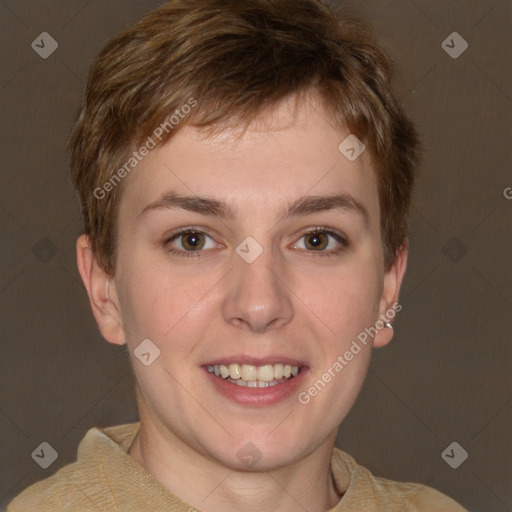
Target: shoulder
(58, 492)
(418, 497)
(364, 491)
(82, 485)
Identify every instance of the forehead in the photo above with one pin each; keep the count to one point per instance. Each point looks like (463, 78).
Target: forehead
(286, 153)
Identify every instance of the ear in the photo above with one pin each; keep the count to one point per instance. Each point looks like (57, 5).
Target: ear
(102, 292)
(389, 306)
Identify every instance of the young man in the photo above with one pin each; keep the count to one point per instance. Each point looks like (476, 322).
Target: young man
(245, 174)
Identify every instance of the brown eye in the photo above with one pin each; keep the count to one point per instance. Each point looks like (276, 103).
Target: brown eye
(316, 241)
(189, 242)
(193, 241)
(322, 241)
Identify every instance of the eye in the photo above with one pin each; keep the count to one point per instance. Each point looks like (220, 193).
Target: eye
(322, 240)
(189, 241)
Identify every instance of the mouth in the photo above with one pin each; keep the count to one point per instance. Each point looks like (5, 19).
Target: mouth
(255, 376)
(256, 382)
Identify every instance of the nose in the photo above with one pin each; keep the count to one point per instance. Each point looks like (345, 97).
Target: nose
(257, 296)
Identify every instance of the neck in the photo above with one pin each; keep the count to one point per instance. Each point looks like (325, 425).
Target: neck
(209, 486)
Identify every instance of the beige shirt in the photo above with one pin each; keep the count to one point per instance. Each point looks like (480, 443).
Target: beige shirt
(105, 478)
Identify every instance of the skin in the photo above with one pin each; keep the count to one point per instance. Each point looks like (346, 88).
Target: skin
(291, 300)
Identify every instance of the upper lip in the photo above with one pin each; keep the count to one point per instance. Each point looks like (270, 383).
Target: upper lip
(255, 361)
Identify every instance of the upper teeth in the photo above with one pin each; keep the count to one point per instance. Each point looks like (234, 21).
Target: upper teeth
(249, 372)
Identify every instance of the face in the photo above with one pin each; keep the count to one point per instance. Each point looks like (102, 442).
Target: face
(245, 256)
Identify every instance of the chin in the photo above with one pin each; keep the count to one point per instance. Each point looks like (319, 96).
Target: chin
(261, 452)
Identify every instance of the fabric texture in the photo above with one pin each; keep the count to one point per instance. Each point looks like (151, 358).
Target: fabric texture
(105, 478)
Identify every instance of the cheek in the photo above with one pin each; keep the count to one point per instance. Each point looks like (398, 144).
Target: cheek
(159, 299)
(346, 299)
(161, 304)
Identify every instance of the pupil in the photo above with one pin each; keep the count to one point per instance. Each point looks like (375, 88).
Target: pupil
(193, 240)
(316, 240)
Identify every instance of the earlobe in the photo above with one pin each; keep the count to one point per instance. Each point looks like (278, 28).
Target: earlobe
(102, 294)
(389, 307)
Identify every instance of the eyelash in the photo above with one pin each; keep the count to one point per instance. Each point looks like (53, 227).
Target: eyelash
(314, 230)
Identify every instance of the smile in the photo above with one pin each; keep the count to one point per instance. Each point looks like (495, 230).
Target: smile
(253, 376)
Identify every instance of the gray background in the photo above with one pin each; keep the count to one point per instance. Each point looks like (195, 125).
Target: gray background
(446, 375)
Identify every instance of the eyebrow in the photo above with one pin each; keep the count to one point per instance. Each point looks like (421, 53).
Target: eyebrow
(301, 206)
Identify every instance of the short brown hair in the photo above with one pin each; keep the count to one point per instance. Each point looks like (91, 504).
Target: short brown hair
(236, 59)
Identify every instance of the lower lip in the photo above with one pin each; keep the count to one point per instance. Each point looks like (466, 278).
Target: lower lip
(257, 396)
